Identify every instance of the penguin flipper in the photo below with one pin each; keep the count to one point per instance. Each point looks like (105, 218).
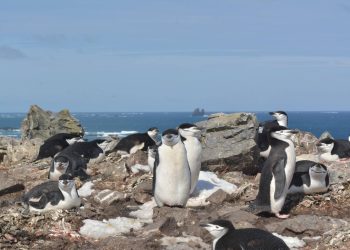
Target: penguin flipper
(280, 178)
(156, 163)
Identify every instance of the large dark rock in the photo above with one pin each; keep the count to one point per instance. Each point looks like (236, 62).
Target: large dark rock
(43, 124)
(229, 142)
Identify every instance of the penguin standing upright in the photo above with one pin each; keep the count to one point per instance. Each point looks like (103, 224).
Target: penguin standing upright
(277, 173)
(190, 134)
(171, 173)
(264, 127)
(52, 195)
(152, 151)
(227, 237)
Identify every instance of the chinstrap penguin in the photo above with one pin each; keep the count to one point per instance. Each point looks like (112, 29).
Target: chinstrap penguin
(92, 151)
(277, 173)
(52, 195)
(151, 152)
(309, 177)
(227, 237)
(56, 143)
(69, 163)
(190, 135)
(171, 173)
(264, 127)
(333, 150)
(139, 141)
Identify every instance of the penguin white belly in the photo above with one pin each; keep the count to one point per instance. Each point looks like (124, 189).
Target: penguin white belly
(194, 157)
(70, 200)
(98, 159)
(329, 157)
(276, 205)
(55, 174)
(173, 178)
(150, 162)
(316, 186)
(265, 153)
(137, 147)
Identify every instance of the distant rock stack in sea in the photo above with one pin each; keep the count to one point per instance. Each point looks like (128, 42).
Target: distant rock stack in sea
(43, 124)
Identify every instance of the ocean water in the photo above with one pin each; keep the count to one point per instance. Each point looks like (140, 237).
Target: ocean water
(121, 124)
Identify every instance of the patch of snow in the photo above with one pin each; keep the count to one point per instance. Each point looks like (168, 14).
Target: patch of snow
(171, 242)
(292, 242)
(145, 213)
(208, 183)
(140, 168)
(106, 228)
(86, 190)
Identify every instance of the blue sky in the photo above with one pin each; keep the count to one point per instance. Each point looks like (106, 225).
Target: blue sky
(175, 55)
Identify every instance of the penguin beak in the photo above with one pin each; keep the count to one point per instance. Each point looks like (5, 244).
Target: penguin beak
(294, 131)
(203, 225)
(271, 113)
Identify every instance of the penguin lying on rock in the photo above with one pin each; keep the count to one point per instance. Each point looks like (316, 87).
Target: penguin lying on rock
(227, 237)
(68, 163)
(309, 177)
(333, 150)
(52, 195)
(56, 143)
(139, 141)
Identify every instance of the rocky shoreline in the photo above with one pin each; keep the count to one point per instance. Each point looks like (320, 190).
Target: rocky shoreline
(118, 198)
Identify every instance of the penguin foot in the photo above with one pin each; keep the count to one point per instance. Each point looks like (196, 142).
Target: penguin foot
(344, 159)
(256, 209)
(282, 216)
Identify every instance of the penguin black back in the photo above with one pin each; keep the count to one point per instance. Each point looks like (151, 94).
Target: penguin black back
(227, 237)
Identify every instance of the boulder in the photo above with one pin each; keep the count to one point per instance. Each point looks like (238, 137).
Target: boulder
(305, 143)
(13, 150)
(43, 124)
(229, 142)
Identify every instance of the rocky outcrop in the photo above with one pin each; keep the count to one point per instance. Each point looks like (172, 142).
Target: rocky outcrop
(305, 143)
(43, 124)
(229, 142)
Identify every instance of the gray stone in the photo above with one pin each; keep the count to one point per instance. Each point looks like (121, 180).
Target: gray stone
(106, 197)
(339, 171)
(305, 143)
(310, 224)
(43, 124)
(238, 217)
(229, 140)
(218, 197)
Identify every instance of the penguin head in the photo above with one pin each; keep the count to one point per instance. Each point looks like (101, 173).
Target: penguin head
(153, 132)
(281, 117)
(325, 145)
(189, 130)
(61, 163)
(66, 182)
(170, 137)
(318, 171)
(280, 132)
(218, 228)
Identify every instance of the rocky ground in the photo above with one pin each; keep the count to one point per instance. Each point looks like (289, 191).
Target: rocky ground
(321, 221)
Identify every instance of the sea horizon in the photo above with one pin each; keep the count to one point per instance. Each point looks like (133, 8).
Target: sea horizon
(102, 124)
